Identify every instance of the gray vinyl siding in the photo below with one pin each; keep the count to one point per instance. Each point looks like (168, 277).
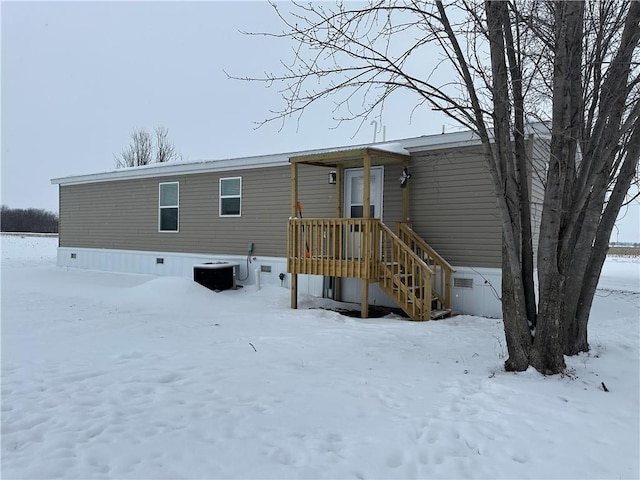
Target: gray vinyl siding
(123, 214)
(317, 196)
(541, 149)
(392, 196)
(453, 206)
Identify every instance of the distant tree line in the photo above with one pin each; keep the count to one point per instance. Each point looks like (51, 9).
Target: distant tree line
(28, 220)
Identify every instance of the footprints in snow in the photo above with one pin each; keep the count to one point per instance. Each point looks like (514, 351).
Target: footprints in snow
(454, 435)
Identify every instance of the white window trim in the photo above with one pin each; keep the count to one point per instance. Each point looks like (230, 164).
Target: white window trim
(160, 207)
(220, 196)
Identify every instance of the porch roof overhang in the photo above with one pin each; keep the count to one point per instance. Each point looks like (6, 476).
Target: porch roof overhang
(355, 157)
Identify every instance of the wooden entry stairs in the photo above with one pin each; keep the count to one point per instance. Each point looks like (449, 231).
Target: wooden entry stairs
(406, 267)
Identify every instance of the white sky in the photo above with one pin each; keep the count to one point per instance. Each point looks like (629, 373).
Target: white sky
(78, 77)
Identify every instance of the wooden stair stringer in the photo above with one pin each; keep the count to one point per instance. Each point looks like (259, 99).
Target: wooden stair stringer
(396, 281)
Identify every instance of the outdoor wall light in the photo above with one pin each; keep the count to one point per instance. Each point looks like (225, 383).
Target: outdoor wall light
(332, 177)
(404, 178)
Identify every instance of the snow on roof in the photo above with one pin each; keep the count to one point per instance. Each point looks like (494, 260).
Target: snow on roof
(394, 147)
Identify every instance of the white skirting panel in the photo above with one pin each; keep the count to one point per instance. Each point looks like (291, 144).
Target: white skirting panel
(475, 292)
(478, 295)
(479, 291)
(352, 292)
(181, 265)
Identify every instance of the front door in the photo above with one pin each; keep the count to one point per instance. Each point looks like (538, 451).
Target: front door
(354, 192)
(353, 204)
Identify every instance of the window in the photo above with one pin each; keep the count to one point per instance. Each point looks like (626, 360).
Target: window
(168, 215)
(230, 195)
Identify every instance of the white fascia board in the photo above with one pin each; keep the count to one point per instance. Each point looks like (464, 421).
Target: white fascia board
(436, 142)
(463, 138)
(173, 169)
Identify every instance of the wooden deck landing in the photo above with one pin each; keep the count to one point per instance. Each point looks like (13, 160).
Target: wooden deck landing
(406, 268)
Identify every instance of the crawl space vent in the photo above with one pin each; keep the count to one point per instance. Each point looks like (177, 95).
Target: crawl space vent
(463, 282)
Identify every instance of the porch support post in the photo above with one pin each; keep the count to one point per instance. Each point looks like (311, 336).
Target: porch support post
(364, 309)
(339, 189)
(366, 234)
(337, 281)
(294, 290)
(366, 187)
(294, 189)
(405, 196)
(294, 240)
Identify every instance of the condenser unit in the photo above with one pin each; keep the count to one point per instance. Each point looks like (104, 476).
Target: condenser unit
(216, 276)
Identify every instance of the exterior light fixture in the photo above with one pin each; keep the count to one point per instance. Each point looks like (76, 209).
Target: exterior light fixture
(404, 178)
(332, 177)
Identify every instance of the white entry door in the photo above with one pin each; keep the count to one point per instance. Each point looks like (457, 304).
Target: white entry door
(354, 208)
(354, 192)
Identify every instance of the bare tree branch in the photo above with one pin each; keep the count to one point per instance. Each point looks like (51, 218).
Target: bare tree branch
(140, 150)
(165, 151)
(492, 66)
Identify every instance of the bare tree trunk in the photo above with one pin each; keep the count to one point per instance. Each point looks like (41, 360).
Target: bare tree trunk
(586, 242)
(514, 316)
(547, 355)
(521, 167)
(577, 341)
(518, 296)
(525, 222)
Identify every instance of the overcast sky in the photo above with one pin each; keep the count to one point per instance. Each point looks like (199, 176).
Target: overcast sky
(78, 77)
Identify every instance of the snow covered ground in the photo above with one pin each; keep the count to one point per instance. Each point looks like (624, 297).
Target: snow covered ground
(131, 376)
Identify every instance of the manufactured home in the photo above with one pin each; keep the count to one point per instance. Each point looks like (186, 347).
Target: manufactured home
(410, 224)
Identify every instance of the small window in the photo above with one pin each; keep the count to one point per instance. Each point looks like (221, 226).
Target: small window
(169, 206)
(230, 196)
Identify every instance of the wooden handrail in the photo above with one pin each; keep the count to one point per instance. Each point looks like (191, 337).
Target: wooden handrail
(368, 249)
(443, 271)
(404, 275)
(411, 238)
(337, 247)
